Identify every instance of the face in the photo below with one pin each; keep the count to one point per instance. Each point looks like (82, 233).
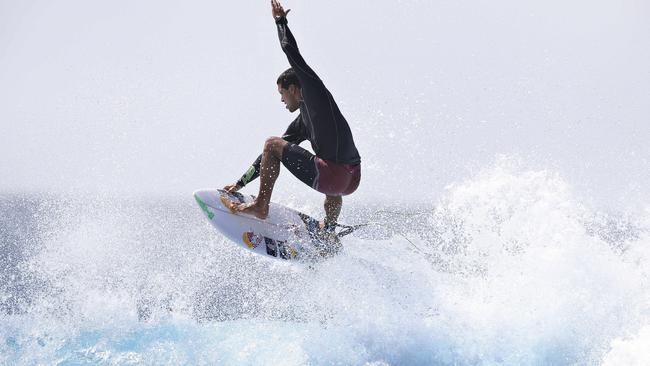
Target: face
(290, 97)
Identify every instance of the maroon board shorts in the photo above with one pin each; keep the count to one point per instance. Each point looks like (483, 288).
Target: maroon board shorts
(322, 175)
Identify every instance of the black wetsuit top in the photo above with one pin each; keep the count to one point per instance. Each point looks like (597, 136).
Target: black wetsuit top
(320, 121)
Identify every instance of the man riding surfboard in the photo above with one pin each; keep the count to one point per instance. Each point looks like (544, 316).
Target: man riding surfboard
(335, 169)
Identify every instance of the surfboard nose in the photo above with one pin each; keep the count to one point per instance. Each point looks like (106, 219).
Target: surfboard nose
(202, 196)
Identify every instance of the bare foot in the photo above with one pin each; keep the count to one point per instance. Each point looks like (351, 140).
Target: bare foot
(254, 208)
(228, 203)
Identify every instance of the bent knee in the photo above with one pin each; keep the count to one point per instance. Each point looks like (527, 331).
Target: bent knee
(271, 142)
(274, 145)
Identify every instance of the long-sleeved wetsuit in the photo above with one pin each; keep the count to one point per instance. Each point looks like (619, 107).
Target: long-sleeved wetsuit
(320, 121)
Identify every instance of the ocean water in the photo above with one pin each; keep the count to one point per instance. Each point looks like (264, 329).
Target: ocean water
(508, 267)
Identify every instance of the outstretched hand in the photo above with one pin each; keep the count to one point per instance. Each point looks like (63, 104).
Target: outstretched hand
(277, 10)
(231, 188)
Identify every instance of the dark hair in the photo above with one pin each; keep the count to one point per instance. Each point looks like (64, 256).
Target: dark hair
(287, 78)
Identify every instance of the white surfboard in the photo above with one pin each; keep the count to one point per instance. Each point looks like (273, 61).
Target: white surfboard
(285, 234)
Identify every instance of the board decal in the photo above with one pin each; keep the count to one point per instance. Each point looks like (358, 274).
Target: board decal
(270, 247)
(286, 251)
(252, 240)
(204, 207)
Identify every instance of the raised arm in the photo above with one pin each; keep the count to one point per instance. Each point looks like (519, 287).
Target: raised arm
(289, 45)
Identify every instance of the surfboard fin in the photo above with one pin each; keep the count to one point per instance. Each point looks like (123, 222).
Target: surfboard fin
(348, 229)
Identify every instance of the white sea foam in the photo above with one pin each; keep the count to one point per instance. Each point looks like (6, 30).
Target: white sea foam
(508, 268)
(632, 351)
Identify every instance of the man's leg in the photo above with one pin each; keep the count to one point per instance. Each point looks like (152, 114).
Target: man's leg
(332, 208)
(269, 171)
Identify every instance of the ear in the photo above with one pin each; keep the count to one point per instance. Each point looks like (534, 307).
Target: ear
(294, 89)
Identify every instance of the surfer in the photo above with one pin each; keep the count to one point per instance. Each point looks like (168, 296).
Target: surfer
(335, 169)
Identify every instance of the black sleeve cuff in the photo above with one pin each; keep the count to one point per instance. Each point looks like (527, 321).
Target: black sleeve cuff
(281, 20)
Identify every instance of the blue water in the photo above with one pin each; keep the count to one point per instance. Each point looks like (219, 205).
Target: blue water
(507, 268)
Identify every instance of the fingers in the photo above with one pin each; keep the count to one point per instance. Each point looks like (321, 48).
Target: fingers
(278, 10)
(231, 188)
(275, 11)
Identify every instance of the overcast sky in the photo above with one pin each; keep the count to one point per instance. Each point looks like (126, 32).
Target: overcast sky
(170, 96)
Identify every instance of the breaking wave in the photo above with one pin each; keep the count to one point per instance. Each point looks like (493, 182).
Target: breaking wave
(507, 268)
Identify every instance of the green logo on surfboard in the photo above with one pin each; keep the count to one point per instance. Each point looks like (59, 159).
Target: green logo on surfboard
(204, 207)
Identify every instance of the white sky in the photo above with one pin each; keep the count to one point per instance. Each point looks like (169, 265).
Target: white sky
(170, 96)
